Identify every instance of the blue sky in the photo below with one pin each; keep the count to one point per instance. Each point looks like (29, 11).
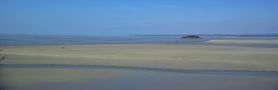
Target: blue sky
(126, 17)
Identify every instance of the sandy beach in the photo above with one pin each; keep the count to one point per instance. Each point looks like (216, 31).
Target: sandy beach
(34, 67)
(198, 57)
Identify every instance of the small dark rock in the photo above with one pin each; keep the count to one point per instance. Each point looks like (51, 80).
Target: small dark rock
(3, 57)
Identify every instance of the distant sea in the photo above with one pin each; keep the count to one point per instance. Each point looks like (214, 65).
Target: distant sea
(131, 39)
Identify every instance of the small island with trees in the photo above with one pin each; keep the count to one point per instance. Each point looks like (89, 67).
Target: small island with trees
(191, 37)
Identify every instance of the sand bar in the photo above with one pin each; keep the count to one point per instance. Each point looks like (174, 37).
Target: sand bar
(148, 55)
(244, 41)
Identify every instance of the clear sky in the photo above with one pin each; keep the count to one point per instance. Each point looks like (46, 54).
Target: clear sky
(125, 17)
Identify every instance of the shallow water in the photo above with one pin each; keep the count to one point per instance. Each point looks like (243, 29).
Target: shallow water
(163, 81)
(133, 39)
(139, 78)
(175, 81)
(110, 67)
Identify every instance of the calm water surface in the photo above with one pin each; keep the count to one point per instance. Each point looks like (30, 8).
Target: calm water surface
(140, 78)
(132, 39)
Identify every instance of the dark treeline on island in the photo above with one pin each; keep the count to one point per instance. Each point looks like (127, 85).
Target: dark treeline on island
(191, 37)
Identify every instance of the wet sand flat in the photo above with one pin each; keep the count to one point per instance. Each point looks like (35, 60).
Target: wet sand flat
(244, 41)
(198, 57)
(24, 77)
(116, 79)
(139, 67)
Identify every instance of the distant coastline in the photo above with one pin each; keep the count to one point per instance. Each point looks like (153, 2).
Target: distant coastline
(20, 39)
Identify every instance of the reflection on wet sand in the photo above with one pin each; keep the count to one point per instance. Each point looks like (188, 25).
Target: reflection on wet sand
(127, 79)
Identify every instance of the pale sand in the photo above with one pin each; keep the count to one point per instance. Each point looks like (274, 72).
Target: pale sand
(148, 55)
(244, 41)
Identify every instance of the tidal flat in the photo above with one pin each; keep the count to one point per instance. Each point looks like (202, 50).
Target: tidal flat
(199, 57)
(139, 67)
(128, 79)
